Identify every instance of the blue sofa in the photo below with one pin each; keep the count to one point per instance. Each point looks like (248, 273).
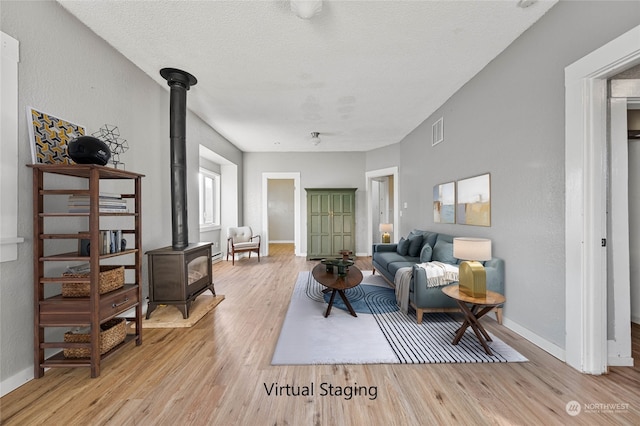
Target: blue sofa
(425, 246)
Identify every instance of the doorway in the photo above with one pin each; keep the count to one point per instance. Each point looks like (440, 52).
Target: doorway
(586, 198)
(620, 223)
(281, 194)
(382, 202)
(381, 206)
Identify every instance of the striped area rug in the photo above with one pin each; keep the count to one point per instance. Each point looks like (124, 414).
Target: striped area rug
(380, 333)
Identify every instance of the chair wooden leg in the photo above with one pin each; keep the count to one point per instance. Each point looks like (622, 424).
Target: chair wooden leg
(419, 313)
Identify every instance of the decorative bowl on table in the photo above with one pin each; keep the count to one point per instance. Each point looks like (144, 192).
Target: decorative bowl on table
(341, 264)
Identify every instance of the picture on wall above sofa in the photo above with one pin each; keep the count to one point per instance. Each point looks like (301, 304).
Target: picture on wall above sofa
(444, 203)
(473, 205)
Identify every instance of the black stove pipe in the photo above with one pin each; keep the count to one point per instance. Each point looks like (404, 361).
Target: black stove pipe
(179, 81)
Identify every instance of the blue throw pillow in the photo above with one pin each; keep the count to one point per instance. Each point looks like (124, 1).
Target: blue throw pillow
(426, 253)
(415, 242)
(403, 247)
(443, 252)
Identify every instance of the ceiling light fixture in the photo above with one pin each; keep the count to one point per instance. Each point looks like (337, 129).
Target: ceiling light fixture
(315, 138)
(306, 9)
(526, 3)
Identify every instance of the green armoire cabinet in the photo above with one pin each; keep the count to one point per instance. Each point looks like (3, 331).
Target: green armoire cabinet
(331, 221)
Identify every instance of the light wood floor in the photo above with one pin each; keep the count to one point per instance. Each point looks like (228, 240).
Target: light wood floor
(215, 374)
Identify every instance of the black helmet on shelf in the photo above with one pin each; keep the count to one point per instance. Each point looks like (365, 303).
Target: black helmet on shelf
(89, 150)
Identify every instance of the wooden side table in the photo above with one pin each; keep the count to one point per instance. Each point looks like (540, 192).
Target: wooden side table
(473, 309)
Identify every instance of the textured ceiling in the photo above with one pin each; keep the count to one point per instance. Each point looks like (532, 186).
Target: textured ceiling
(362, 73)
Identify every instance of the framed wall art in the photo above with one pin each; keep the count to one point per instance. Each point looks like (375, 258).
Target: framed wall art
(49, 136)
(474, 200)
(444, 203)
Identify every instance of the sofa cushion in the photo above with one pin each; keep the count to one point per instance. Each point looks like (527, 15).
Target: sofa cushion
(394, 266)
(415, 243)
(443, 252)
(403, 247)
(385, 258)
(430, 238)
(426, 253)
(444, 237)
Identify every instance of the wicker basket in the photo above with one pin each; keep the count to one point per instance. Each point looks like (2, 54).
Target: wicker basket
(112, 333)
(111, 278)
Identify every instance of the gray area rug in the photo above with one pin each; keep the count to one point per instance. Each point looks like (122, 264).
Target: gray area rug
(384, 336)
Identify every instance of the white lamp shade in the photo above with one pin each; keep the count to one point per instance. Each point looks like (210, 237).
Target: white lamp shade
(386, 227)
(472, 248)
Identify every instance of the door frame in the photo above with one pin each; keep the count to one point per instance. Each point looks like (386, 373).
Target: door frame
(389, 171)
(619, 273)
(585, 198)
(295, 176)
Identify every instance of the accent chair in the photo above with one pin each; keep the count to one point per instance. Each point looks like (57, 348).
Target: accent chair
(241, 239)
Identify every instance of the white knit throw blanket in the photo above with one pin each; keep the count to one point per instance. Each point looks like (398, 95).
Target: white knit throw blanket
(439, 274)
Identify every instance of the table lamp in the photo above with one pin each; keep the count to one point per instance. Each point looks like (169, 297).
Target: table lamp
(472, 276)
(385, 228)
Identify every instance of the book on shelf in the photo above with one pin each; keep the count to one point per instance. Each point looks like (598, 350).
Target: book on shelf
(106, 204)
(111, 241)
(102, 196)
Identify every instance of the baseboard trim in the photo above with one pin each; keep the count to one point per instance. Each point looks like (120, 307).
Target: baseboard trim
(14, 382)
(614, 361)
(540, 342)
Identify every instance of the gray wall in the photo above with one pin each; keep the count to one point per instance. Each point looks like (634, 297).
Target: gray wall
(90, 85)
(317, 170)
(509, 121)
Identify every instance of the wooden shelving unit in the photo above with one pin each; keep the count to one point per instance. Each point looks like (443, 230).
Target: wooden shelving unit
(68, 312)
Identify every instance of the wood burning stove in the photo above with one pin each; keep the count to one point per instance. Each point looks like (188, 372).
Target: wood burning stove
(177, 277)
(178, 274)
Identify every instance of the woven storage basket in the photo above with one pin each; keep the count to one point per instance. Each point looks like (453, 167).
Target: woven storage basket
(111, 278)
(112, 333)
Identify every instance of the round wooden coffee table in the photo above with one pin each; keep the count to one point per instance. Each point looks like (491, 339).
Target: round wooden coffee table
(337, 284)
(473, 309)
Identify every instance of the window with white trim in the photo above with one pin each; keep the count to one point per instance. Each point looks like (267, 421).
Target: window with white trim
(209, 211)
(9, 160)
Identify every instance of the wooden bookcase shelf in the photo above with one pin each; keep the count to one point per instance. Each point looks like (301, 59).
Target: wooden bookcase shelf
(96, 308)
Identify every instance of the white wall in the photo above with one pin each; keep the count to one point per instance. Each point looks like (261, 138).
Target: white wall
(68, 71)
